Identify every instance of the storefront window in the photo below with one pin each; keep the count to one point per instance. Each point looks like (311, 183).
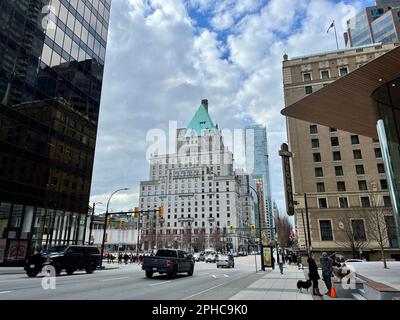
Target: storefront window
(4, 214)
(388, 126)
(27, 222)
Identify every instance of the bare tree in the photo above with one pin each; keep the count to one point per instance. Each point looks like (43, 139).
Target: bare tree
(284, 229)
(216, 239)
(376, 224)
(349, 236)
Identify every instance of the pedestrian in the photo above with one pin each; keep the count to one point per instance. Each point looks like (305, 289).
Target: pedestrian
(126, 258)
(327, 269)
(299, 261)
(119, 258)
(273, 263)
(281, 261)
(313, 274)
(108, 257)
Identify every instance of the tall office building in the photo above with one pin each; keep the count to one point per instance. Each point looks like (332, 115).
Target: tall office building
(377, 24)
(341, 174)
(257, 165)
(51, 69)
(207, 204)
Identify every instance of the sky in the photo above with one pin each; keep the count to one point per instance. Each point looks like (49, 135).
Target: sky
(165, 56)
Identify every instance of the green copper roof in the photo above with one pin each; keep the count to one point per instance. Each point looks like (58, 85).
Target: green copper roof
(200, 122)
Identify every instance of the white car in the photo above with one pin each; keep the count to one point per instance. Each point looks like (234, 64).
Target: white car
(355, 260)
(211, 258)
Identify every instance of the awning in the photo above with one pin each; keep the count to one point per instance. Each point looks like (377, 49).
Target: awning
(346, 104)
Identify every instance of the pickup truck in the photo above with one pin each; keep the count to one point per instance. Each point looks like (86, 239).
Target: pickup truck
(168, 261)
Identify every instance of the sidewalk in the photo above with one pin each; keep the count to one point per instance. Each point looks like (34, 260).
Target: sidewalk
(275, 286)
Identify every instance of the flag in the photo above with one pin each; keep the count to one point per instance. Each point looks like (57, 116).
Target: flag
(331, 26)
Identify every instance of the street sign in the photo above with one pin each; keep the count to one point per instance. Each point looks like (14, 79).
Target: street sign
(287, 175)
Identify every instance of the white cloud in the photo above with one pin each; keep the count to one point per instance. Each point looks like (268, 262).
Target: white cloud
(160, 64)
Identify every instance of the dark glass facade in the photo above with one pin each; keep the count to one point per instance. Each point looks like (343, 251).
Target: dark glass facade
(52, 55)
(387, 100)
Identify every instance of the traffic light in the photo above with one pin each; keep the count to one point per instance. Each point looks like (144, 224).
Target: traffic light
(253, 227)
(108, 220)
(231, 228)
(161, 213)
(121, 224)
(136, 215)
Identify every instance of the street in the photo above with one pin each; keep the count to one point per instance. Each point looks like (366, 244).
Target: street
(128, 282)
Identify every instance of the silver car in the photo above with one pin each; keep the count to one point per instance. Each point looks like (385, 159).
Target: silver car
(225, 261)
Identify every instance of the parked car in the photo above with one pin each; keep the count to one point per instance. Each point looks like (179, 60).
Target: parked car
(68, 258)
(168, 261)
(198, 256)
(225, 261)
(211, 258)
(355, 260)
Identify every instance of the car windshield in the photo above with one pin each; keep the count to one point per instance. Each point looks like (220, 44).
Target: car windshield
(55, 249)
(166, 253)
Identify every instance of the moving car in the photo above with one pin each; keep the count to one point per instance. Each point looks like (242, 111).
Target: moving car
(168, 261)
(225, 261)
(198, 256)
(68, 258)
(211, 258)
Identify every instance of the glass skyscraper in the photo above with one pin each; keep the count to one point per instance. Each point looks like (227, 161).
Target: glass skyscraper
(380, 23)
(257, 165)
(52, 55)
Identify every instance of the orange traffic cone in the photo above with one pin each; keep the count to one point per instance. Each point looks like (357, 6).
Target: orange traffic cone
(333, 293)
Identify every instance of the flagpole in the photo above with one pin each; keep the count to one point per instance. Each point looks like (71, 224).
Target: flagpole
(337, 42)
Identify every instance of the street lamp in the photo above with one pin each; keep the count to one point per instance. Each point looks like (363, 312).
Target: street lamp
(92, 220)
(105, 224)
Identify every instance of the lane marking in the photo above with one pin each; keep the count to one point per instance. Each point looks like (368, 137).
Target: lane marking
(226, 276)
(157, 284)
(114, 279)
(5, 292)
(196, 294)
(214, 276)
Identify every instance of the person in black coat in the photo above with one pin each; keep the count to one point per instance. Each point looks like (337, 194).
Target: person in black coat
(313, 274)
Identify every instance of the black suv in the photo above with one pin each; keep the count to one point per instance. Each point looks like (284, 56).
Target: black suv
(68, 258)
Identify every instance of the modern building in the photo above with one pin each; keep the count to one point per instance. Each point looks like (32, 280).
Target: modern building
(257, 165)
(51, 69)
(206, 203)
(339, 176)
(376, 24)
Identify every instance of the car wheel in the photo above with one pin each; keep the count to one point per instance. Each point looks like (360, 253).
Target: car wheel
(70, 271)
(58, 269)
(90, 268)
(32, 273)
(149, 274)
(173, 273)
(190, 272)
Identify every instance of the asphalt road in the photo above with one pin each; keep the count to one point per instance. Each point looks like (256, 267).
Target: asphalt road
(129, 282)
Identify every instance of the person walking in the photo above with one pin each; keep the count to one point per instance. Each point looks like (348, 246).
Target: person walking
(313, 274)
(327, 269)
(281, 262)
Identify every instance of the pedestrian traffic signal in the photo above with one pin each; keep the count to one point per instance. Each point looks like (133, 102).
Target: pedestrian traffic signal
(161, 213)
(231, 228)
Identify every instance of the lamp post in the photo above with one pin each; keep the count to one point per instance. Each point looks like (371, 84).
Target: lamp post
(259, 233)
(92, 220)
(105, 224)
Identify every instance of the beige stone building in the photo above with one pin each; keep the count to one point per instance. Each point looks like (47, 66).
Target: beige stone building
(342, 174)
